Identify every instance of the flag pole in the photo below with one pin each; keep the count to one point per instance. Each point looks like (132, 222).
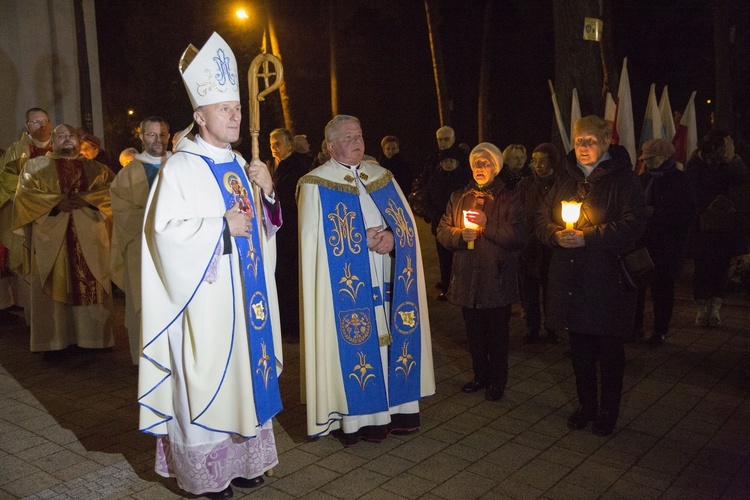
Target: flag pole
(558, 117)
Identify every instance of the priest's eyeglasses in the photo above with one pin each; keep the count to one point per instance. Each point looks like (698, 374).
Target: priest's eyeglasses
(40, 121)
(154, 135)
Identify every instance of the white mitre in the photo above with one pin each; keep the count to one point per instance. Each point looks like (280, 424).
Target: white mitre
(210, 75)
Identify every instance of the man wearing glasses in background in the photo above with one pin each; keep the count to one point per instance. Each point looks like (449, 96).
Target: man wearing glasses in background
(35, 141)
(129, 195)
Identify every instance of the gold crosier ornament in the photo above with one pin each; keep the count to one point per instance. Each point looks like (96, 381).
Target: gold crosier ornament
(260, 68)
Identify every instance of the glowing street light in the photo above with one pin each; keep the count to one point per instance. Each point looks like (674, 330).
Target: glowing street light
(131, 112)
(242, 14)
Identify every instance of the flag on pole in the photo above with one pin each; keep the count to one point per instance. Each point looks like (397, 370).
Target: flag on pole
(610, 115)
(558, 118)
(624, 124)
(652, 128)
(575, 113)
(667, 120)
(686, 137)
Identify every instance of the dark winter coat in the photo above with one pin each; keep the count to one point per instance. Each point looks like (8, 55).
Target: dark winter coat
(535, 256)
(586, 291)
(484, 277)
(707, 183)
(512, 178)
(445, 172)
(285, 178)
(670, 209)
(400, 169)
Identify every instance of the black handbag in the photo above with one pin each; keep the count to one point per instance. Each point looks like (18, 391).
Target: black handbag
(637, 267)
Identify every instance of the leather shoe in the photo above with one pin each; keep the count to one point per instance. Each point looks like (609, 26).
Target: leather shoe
(219, 495)
(604, 423)
(473, 386)
(581, 417)
(241, 482)
(493, 393)
(441, 297)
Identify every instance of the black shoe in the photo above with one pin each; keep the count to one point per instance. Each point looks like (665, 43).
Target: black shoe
(439, 285)
(532, 338)
(605, 423)
(581, 417)
(473, 386)
(656, 339)
(241, 482)
(493, 393)
(225, 493)
(441, 297)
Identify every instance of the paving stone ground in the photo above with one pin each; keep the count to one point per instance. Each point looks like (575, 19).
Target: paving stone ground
(68, 428)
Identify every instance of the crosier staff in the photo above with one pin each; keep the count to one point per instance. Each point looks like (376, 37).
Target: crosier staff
(256, 95)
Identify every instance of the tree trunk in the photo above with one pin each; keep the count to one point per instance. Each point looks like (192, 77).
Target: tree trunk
(438, 68)
(578, 62)
(332, 43)
(484, 73)
(288, 123)
(723, 104)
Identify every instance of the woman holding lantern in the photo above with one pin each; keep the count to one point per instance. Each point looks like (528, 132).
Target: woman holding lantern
(483, 226)
(587, 293)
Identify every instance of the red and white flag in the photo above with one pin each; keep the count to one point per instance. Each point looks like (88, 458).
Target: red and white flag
(652, 128)
(686, 137)
(558, 118)
(624, 125)
(610, 114)
(667, 120)
(575, 113)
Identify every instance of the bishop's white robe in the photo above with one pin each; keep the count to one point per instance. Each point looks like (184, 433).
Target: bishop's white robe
(129, 193)
(195, 377)
(322, 376)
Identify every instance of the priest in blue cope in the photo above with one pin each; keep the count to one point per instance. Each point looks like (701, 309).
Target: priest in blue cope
(366, 333)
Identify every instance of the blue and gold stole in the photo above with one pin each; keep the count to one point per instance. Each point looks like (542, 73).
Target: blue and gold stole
(232, 181)
(355, 299)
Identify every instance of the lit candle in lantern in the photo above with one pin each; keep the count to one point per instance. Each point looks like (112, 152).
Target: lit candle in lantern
(469, 225)
(571, 210)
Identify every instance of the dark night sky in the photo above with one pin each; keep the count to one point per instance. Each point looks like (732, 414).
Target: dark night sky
(384, 65)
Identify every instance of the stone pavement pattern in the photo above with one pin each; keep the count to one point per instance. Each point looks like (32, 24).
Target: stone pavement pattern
(68, 428)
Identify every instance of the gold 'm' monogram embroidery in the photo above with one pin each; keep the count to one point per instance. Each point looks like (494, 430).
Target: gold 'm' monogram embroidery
(404, 231)
(343, 231)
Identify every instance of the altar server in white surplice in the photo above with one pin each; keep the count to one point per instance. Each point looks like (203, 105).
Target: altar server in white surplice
(211, 356)
(129, 193)
(366, 332)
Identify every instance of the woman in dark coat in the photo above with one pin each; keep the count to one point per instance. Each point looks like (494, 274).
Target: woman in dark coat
(670, 210)
(483, 278)
(588, 295)
(712, 172)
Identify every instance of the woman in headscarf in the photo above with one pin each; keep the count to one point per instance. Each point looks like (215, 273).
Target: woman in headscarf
(485, 260)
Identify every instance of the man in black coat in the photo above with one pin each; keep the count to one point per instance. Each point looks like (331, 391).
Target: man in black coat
(670, 210)
(289, 166)
(445, 172)
(534, 257)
